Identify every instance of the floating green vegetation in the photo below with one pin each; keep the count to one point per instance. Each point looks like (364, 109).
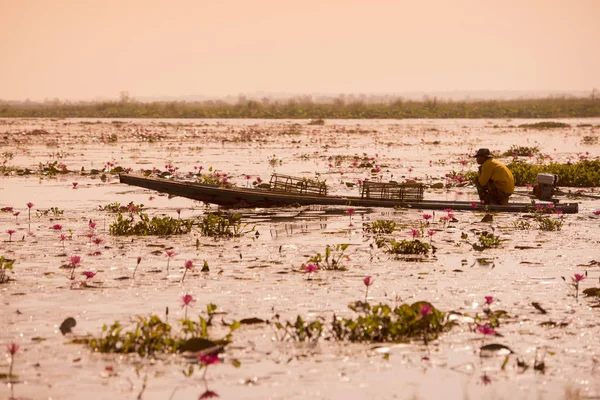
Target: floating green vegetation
(54, 211)
(406, 247)
(545, 223)
(334, 255)
(223, 225)
(157, 226)
(151, 336)
(6, 265)
(213, 177)
(523, 151)
(522, 225)
(318, 121)
(584, 173)
(53, 168)
(380, 227)
(299, 331)
(116, 207)
(545, 125)
(485, 240)
(383, 324)
(374, 324)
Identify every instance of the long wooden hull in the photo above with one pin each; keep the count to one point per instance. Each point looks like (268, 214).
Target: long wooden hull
(240, 197)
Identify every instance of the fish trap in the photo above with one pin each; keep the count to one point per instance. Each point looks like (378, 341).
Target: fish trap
(392, 191)
(295, 185)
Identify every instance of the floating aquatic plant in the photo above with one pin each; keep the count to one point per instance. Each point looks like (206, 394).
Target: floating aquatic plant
(116, 207)
(157, 226)
(380, 323)
(334, 255)
(223, 225)
(6, 265)
(380, 227)
(151, 336)
(405, 247)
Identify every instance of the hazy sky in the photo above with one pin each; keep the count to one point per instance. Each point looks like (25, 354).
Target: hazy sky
(84, 49)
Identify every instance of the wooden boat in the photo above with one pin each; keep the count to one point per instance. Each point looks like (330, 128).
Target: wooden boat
(299, 191)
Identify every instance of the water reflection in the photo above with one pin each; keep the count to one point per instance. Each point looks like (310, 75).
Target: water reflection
(291, 229)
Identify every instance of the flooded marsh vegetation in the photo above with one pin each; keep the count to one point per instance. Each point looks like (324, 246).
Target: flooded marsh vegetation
(275, 303)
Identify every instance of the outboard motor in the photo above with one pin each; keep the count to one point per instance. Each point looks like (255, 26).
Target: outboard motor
(545, 186)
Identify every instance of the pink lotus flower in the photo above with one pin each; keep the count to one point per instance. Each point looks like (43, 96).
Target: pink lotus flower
(426, 217)
(98, 241)
(309, 269)
(415, 233)
(259, 179)
(74, 261)
(10, 233)
(8, 209)
(208, 395)
(474, 204)
(170, 254)
(188, 264)
(187, 300)
(89, 274)
(425, 310)
(350, 211)
(29, 205)
(75, 185)
(368, 281)
(91, 224)
(489, 300)
(430, 233)
(57, 227)
(486, 330)
(208, 359)
(12, 348)
(578, 278)
(486, 380)
(597, 212)
(448, 210)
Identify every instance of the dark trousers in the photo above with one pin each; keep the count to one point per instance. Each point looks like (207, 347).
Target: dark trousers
(491, 195)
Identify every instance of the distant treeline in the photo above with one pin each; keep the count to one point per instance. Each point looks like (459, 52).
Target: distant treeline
(339, 108)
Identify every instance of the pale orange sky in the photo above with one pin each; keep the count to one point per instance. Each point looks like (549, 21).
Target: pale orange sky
(84, 49)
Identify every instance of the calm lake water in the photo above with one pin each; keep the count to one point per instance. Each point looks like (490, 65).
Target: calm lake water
(258, 274)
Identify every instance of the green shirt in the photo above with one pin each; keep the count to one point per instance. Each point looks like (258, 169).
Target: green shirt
(496, 172)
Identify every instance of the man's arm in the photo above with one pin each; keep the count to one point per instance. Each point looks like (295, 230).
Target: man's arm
(485, 173)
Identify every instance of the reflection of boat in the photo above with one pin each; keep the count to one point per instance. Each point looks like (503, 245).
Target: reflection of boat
(262, 197)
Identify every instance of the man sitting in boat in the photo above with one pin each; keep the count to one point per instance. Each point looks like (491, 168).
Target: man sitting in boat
(495, 183)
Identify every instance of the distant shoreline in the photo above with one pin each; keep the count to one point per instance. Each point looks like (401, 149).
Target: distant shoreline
(339, 108)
